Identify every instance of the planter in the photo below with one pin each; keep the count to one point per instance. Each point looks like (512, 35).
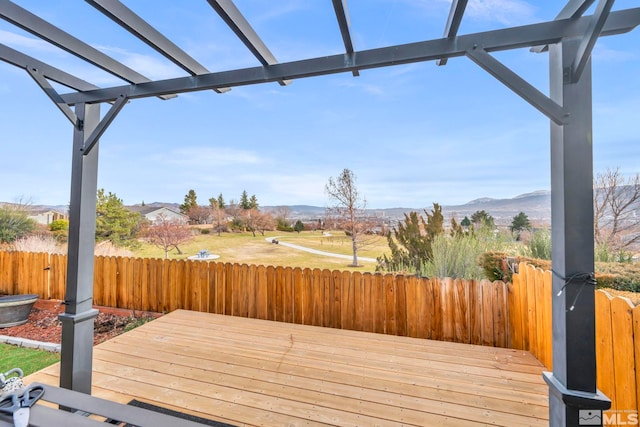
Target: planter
(15, 309)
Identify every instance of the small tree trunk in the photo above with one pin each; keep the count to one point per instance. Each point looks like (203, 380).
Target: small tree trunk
(354, 245)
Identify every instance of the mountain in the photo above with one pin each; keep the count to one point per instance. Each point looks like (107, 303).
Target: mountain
(537, 206)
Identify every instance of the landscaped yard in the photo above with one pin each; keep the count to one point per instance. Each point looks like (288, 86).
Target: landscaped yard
(247, 249)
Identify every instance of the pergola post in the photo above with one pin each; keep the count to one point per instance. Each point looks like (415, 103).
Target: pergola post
(572, 385)
(77, 320)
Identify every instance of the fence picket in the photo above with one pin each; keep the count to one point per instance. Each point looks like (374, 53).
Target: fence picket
(623, 357)
(604, 347)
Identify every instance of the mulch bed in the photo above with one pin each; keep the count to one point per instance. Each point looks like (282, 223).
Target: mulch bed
(43, 324)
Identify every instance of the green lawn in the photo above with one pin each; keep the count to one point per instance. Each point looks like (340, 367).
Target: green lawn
(247, 249)
(29, 360)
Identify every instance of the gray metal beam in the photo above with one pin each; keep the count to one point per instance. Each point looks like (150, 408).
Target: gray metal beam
(572, 10)
(54, 96)
(510, 38)
(39, 27)
(517, 84)
(342, 15)
(77, 320)
(137, 26)
(19, 59)
(572, 386)
(589, 40)
(453, 23)
(92, 140)
(245, 32)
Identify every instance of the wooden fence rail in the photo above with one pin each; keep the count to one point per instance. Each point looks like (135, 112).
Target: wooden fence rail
(473, 312)
(517, 315)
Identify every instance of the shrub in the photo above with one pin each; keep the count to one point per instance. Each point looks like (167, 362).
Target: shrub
(501, 266)
(14, 224)
(540, 244)
(455, 257)
(106, 248)
(622, 276)
(59, 225)
(205, 231)
(39, 243)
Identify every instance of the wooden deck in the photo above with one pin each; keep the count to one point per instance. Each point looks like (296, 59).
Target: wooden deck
(262, 373)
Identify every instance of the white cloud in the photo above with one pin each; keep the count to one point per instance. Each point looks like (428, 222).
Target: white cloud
(507, 12)
(148, 66)
(601, 52)
(208, 157)
(21, 42)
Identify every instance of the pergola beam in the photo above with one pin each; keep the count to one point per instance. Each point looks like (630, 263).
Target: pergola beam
(572, 10)
(92, 140)
(19, 59)
(130, 21)
(453, 23)
(54, 96)
(518, 85)
(509, 38)
(342, 15)
(37, 26)
(588, 42)
(245, 32)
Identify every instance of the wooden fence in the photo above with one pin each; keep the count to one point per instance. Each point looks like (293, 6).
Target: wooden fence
(517, 315)
(617, 335)
(473, 312)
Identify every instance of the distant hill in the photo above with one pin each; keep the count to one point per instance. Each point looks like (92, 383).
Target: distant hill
(537, 206)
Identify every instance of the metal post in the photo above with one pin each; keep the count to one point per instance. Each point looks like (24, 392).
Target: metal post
(572, 385)
(77, 320)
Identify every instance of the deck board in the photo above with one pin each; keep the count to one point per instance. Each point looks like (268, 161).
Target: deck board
(261, 373)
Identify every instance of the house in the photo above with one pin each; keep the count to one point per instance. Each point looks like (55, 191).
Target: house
(152, 213)
(46, 216)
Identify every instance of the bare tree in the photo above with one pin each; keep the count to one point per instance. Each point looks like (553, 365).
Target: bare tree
(166, 234)
(349, 209)
(254, 220)
(198, 214)
(218, 215)
(616, 209)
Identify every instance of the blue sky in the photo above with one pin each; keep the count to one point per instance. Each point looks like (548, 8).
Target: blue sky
(412, 134)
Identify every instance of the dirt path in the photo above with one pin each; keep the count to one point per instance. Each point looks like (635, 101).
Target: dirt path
(317, 252)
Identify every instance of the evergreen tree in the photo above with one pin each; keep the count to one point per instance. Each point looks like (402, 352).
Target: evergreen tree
(519, 224)
(298, 226)
(114, 222)
(253, 202)
(244, 201)
(410, 242)
(221, 204)
(483, 219)
(190, 202)
(466, 222)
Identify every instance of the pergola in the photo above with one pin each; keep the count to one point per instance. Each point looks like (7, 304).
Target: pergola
(569, 40)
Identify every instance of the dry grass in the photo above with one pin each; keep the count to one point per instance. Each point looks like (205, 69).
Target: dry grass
(246, 249)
